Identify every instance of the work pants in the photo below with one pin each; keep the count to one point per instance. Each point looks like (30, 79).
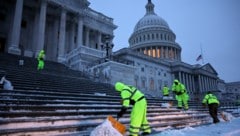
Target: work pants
(139, 118)
(213, 109)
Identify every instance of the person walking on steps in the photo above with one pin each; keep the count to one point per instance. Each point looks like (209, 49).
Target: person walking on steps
(213, 103)
(138, 118)
(40, 59)
(181, 94)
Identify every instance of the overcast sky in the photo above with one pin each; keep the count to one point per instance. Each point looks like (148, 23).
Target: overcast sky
(213, 25)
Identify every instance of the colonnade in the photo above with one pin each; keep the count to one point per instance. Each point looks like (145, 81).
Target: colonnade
(161, 52)
(199, 82)
(80, 33)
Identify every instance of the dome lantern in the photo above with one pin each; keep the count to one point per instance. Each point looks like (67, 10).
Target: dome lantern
(149, 8)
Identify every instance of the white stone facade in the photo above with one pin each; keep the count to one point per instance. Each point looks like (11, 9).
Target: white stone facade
(72, 33)
(57, 26)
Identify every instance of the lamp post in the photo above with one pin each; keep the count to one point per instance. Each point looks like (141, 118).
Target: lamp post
(107, 46)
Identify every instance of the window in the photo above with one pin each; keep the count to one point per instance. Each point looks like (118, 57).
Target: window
(149, 52)
(158, 53)
(154, 53)
(151, 84)
(142, 69)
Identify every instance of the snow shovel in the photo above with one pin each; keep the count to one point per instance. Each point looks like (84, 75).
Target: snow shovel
(117, 125)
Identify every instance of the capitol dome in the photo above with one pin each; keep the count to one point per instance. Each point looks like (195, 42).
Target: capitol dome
(151, 20)
(153, 37)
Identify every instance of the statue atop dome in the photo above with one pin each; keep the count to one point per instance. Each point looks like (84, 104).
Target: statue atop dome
(149, 8)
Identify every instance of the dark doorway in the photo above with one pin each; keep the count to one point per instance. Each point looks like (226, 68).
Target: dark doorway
(2, 44)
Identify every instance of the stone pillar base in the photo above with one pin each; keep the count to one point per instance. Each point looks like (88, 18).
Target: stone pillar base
(61, 59)
(14, 50)
(28, 53)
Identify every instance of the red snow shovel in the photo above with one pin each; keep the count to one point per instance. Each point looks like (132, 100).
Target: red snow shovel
(117, 125)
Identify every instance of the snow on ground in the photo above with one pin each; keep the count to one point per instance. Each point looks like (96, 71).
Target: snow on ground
(230, 128)
(105, 129)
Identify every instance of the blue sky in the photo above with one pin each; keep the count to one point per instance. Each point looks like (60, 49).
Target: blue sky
(213, 25)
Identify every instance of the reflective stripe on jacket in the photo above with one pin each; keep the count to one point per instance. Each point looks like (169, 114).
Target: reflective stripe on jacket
(130, 93)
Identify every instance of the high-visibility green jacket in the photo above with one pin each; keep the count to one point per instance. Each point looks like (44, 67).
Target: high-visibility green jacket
(178, 89)
(165, 90)
(41, 55)
(210, 99)
(130, 93)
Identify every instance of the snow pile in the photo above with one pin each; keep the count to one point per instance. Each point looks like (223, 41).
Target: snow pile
(226, 116)
(105, 129)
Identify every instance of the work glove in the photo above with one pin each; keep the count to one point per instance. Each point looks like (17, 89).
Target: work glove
(122, 111)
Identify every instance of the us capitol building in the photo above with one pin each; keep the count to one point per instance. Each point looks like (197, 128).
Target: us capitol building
(72, 33)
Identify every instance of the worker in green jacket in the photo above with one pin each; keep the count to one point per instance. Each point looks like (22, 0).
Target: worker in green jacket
(165, 91)
(138, 119)
(213, 103)
(40, 59)
(181, 94)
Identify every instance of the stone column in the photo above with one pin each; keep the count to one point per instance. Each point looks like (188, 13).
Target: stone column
(13, 47)
(193, 84)
(87, 37)
(208, 87)
(205, 83)
(80, 32)
(175, 53)
(61, 41)
(99, 41)
(187, 82)
(162, 56)
(41, 26)
(212, 85)
(151, 51)
(200, 83)
(167, 49)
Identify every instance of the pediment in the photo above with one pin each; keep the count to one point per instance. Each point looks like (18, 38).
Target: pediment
(208, 67)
